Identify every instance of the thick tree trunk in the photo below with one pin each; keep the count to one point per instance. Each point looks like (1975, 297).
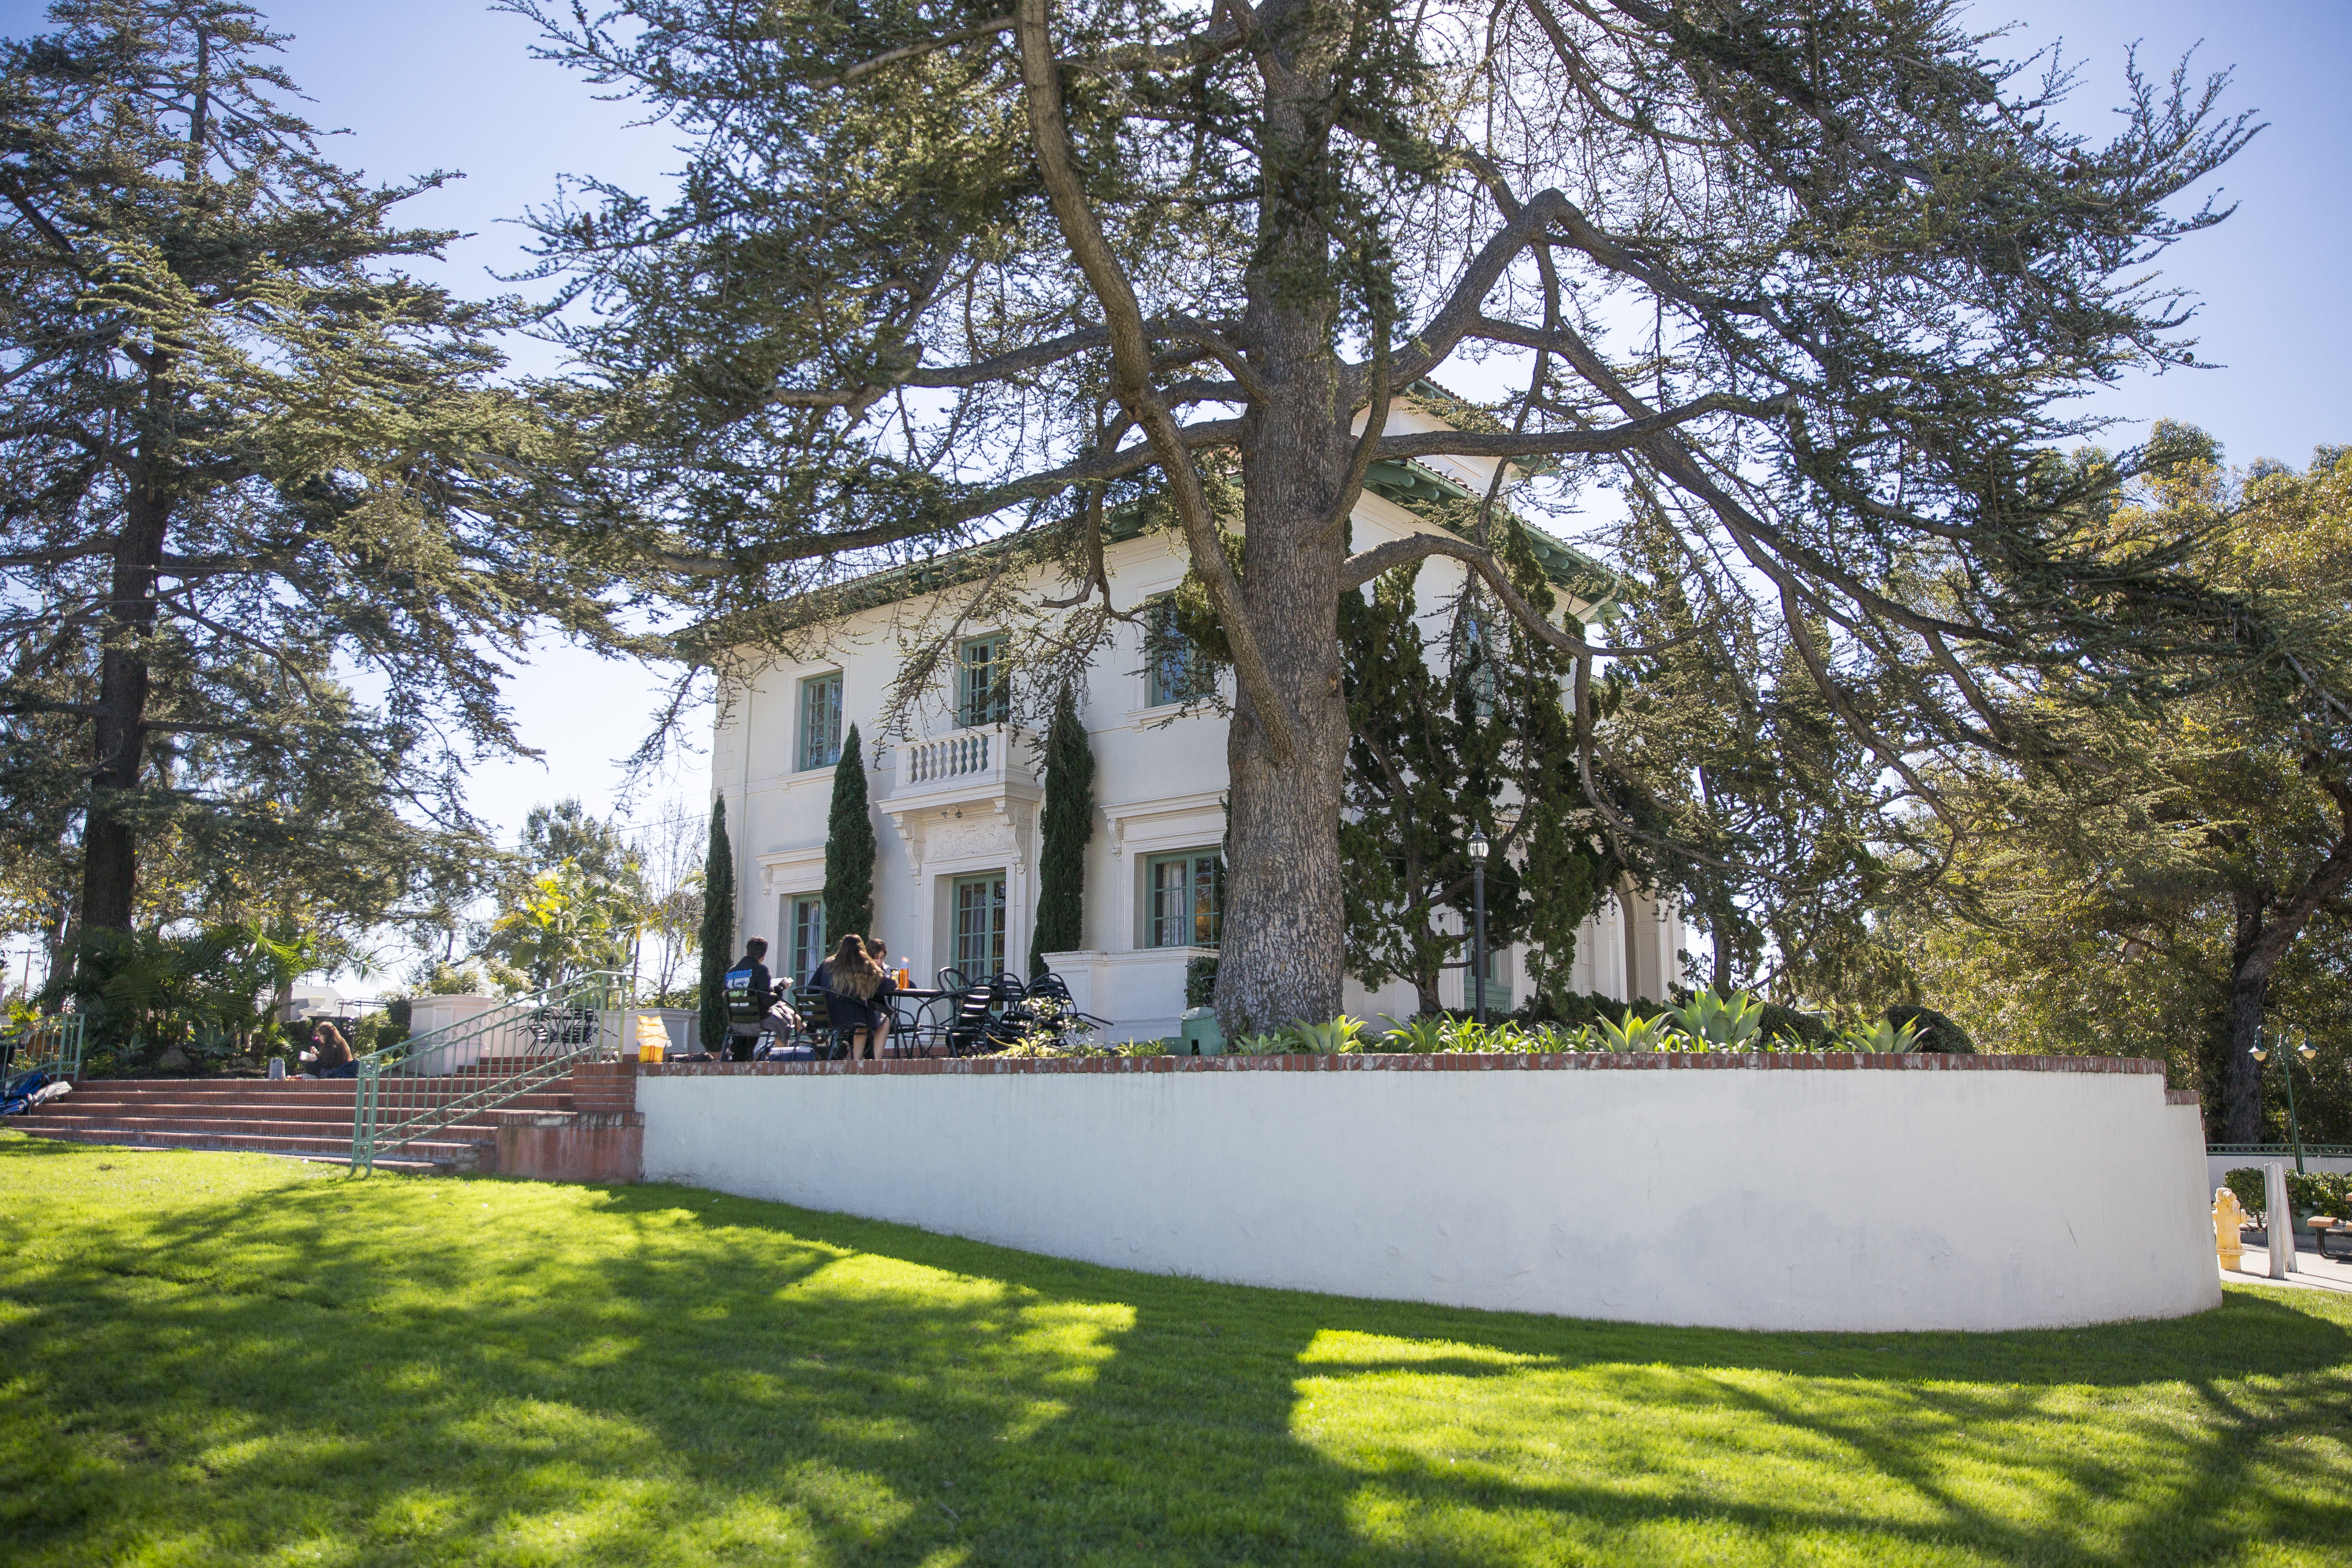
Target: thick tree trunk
(1284, 948)
(2249, 979)
(110, 842)
(2267, 924)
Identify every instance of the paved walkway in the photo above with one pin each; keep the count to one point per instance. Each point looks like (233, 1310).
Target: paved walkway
(2312, 1272)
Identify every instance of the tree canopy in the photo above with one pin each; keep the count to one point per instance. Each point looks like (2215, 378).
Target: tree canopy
(2173, 876)
(1819, 275)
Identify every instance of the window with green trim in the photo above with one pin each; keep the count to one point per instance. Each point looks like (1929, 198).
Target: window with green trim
(808, 938)
(821, 720)
(1184, 898)
(983, 683)
(1173, 669)
(979, 936)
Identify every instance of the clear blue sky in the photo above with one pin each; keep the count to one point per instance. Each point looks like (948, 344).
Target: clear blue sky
(428, 84)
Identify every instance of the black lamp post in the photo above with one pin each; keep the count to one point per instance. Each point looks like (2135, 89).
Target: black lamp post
(1478, 909)
(2286, 1068)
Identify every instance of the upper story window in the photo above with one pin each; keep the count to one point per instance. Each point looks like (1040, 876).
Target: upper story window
(983, 683)
(1173, 669)
(821, 720)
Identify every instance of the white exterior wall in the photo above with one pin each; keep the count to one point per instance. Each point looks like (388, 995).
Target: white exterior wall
(1854, 1200)
(1159, 788)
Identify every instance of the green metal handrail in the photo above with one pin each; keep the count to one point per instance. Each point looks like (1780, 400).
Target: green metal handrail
(414, 1088)
(54, 1042)
(2287, 1151)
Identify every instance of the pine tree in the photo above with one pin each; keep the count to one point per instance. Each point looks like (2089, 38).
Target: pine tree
(849, 848)
(718, 929)
(242, 451)
(1064, 825)
(1188, 245)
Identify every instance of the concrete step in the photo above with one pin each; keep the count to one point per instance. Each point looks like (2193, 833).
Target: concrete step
(438, 1153)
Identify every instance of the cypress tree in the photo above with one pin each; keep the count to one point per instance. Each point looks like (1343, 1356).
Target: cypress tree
(718, 929)
(1067, 822)
(849, 848)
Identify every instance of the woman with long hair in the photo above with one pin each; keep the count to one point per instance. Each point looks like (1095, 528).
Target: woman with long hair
(857, 991)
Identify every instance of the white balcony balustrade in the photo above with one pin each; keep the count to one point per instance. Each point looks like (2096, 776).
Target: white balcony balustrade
(965, 798)
(967, 751)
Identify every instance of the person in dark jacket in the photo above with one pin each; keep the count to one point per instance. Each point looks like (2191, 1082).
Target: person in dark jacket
(857, 996)
(750, 991)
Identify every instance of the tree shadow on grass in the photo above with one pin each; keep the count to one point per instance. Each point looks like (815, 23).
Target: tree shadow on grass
(2039, 1445)
(394, 1370)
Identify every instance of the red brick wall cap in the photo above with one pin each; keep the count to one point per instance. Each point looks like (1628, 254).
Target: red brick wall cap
(1559, 1061)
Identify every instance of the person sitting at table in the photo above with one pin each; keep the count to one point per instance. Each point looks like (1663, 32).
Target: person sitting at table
(858, 994)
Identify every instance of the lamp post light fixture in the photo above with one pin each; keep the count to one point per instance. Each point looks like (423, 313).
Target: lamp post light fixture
(1478, 914)
(2286, 1070)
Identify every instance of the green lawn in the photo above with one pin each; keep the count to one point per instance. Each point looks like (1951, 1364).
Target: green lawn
(224, 1359)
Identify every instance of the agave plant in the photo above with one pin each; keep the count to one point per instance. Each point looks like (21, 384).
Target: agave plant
(1555, 1038)
(1878, 1035)
(1342, 1036)
(1277, 1044)
(1632, 1033)
(1421, 1035)
(1718, 1022)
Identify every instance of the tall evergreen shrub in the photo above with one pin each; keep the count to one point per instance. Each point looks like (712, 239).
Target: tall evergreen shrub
(718, 929)
(849, 848)
(1068, 823)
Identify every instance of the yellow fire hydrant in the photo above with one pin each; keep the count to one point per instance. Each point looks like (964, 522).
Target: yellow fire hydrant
(2228, 1215)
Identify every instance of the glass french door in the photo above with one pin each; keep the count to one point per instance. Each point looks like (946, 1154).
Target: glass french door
(808, 938)
(979, 925)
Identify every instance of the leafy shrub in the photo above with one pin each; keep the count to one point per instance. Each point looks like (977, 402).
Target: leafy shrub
(1937, 1032)
(204, 996)
(1542, 1010)
(1787, 1029)
(2246, 1181)
(2319, 1192)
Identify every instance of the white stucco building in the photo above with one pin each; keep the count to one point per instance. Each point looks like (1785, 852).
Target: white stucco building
(955, 801)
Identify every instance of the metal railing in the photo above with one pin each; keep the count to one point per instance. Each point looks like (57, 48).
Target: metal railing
(53, 1043)
(412, 1090)
(2283, 1151)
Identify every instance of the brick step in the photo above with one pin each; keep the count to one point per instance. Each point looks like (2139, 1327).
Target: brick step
(472, 1130)
(260, 1105)
(434, 1152)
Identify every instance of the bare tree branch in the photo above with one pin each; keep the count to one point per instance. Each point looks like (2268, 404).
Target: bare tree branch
(1131, 361)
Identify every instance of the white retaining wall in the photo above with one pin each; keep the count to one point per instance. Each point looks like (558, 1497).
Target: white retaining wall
(1745, 1197)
